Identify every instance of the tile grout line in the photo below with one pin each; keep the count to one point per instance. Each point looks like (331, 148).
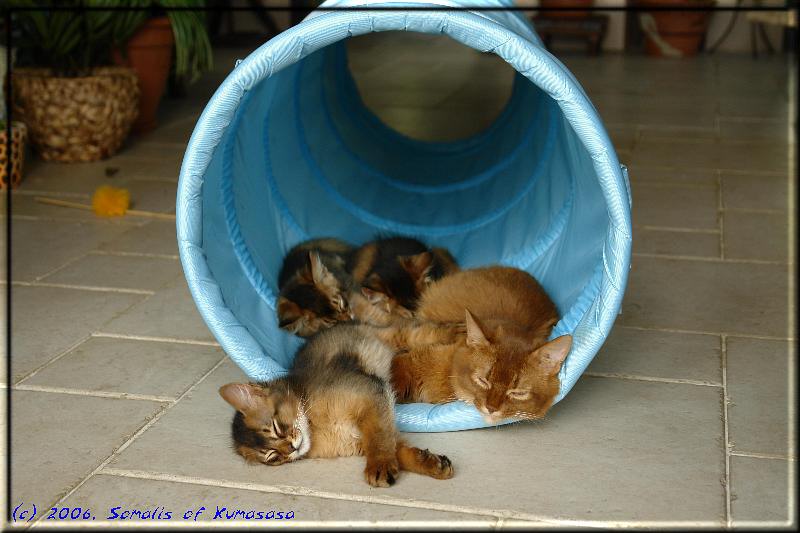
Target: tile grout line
(36, 218)
(632, 377)
(92, 288)
(117, 253)
(96, 394)
(379, 500)
(54, 194)
(723, 343)
(674, 229)
(720, 217)
(135, 435)
(757, 455)
(708, 259)
(714, 333)
(755, 210)
(752, 172)
(153, 339)
(60, 267)
(52, 360)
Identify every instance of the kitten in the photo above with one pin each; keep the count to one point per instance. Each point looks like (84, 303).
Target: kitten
(394, 271)
(482, 340)
(313, 285)
(336, 401)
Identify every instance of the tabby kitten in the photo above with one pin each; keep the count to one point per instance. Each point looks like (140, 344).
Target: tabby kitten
(490, 348)
(313, 284)
(335, 401)
(394, 271)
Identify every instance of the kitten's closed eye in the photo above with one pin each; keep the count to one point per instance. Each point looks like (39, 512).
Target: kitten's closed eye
(481, 382)
(339, 303)
(519, 394)
(272, 457)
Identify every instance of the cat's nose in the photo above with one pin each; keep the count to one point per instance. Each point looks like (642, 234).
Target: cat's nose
(491, 416)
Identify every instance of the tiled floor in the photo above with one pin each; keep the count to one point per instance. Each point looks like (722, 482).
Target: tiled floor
(682, 417)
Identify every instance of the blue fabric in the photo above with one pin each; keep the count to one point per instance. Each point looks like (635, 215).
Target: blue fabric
(286, 150)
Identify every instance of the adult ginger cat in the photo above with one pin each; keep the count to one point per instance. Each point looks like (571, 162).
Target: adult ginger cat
(481, 337)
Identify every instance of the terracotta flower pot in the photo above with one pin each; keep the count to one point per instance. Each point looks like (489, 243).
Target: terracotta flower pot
(149, 54)
(565, 3)
(674, 33)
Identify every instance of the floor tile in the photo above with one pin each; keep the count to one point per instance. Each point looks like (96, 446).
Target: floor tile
(170, 313)
(623, 136)
(660, 354)
(3, 337)
(672, 176)
(755, 191)
(40, 246)
(124, 272)
(768, 106)
(435, 125)
(155, 237)
(58, 439)
(728, 155)
(758, 388)
(762, 236)
(177, 131)
(776, 130)
(4, 448)
(103, 493)
(666, 242)
(707, 296)
(648, 427)
(676, 207)
(171, 154)
(74, 178)
(651, 132)
(146, 170)
(134, 367)
(625, 108)
(49, 320)
(153, 195)
(760, 490)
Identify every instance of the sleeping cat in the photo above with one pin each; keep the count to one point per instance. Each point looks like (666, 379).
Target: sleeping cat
(394, 271)
(336, 401)
(314, 285)
(481, 337)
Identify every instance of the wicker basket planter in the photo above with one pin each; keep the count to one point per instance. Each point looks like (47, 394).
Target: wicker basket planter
(76, 119)
(19, 134)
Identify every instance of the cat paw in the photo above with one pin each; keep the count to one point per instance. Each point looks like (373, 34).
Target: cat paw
(437, 466)
(382, 473)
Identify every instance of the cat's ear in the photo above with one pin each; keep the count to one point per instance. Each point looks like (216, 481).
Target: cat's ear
(475, 336)
(290, 316)
(320, 274)
(551, 356)
(417, 265)
(445, 260)
(244, 397)
(374, 297)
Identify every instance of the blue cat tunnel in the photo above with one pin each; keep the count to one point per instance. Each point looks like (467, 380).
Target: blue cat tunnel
(286, 150)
